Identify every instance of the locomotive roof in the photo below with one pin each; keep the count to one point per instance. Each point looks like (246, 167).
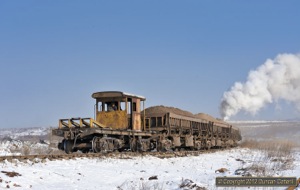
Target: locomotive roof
(116, 94)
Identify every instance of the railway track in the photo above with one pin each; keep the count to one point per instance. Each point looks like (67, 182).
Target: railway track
(120, 155)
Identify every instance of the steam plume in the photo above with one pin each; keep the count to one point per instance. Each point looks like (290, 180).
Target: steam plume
(275, 79)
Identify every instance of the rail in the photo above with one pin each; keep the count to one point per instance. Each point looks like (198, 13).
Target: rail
(120, 155)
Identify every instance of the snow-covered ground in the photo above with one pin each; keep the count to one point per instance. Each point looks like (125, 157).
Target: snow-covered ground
(134, 173)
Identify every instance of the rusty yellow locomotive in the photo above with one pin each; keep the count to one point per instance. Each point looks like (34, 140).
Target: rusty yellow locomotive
(121, 122)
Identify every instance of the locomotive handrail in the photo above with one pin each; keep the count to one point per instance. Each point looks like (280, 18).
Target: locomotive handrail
(79, 123)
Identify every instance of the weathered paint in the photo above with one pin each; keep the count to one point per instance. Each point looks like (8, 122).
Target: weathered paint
(136, 116)
(113, 119)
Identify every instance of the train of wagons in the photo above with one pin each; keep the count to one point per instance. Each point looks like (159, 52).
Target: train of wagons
(121, 123)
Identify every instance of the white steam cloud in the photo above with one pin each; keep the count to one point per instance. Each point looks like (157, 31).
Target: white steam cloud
(274, 80)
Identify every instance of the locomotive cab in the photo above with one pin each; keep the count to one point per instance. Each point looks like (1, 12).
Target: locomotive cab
(119, 110)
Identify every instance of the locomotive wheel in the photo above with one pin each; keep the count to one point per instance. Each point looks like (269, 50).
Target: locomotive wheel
(100, 145)
(208, 146)
(60, 145)
(164, 145)
(95, 146)
(197, 146)
(68, 146)
(133, 145)
(85, 150)
(143, 145)
(105, 144)
(104, 147)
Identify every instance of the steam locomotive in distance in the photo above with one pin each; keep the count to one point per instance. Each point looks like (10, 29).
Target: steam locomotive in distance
(122, 123)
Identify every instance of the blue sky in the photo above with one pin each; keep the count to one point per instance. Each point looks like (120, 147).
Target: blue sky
(186, 54)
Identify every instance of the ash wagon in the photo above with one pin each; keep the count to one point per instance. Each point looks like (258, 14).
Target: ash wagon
(121, 122)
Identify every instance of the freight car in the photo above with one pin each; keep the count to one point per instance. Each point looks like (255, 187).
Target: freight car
(121, 122)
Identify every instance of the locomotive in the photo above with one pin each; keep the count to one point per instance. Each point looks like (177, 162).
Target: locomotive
(121, 123)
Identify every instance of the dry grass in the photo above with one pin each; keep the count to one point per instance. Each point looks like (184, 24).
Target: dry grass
(36, 144)
(189, 184)
(275, 148)
(32, 148)
(26, 149)
(276, 155)
(142, 185)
